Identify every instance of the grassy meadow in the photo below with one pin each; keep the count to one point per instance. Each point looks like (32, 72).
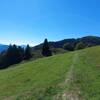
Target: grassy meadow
(61, 77)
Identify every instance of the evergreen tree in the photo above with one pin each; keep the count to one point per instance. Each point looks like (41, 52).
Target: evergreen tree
(46, 49)
(21, 51)
(8, 58)
(13, 55)
(2, 60)
(16, 54)
(27, 53)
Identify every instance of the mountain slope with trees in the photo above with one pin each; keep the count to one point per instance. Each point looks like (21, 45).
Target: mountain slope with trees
(16, 54)
(88, 41)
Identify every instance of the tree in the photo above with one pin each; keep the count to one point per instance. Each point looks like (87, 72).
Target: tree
(11, 56)
(2, 60)
(21, 51)
(68, 46)
(46, 49)
(79, 46)
(27, 53)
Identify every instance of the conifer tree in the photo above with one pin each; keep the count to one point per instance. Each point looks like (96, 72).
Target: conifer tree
(27, 53)
(46, 49)
(21, 51)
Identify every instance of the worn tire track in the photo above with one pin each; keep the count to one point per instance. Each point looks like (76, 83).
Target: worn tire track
(69, 95)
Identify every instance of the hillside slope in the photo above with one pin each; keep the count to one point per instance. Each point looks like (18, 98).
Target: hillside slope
(89, 41)
(74, 75)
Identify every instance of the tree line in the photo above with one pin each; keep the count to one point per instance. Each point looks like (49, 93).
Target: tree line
(16, 54)
(13, 55)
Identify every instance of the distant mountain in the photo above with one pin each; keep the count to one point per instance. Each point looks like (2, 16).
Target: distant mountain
(23, 46)
(88, 41)
(3, 47)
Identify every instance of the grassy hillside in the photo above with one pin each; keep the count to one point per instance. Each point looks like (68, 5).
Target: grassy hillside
(74, 75)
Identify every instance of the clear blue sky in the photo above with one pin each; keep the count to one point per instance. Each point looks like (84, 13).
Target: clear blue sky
(30, 21)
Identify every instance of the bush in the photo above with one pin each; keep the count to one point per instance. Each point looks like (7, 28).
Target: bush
(68, 46)
(79, 46)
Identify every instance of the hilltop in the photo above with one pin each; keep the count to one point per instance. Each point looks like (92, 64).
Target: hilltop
(87, 40)
(65, 76)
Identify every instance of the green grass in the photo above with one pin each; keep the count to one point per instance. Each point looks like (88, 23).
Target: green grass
(87, 73)
(44, 79)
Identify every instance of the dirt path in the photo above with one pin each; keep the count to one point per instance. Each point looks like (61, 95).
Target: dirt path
(69, 95)
(69, 76)
(72, 95)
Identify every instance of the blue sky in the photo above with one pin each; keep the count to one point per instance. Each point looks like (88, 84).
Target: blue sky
(31, 21)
